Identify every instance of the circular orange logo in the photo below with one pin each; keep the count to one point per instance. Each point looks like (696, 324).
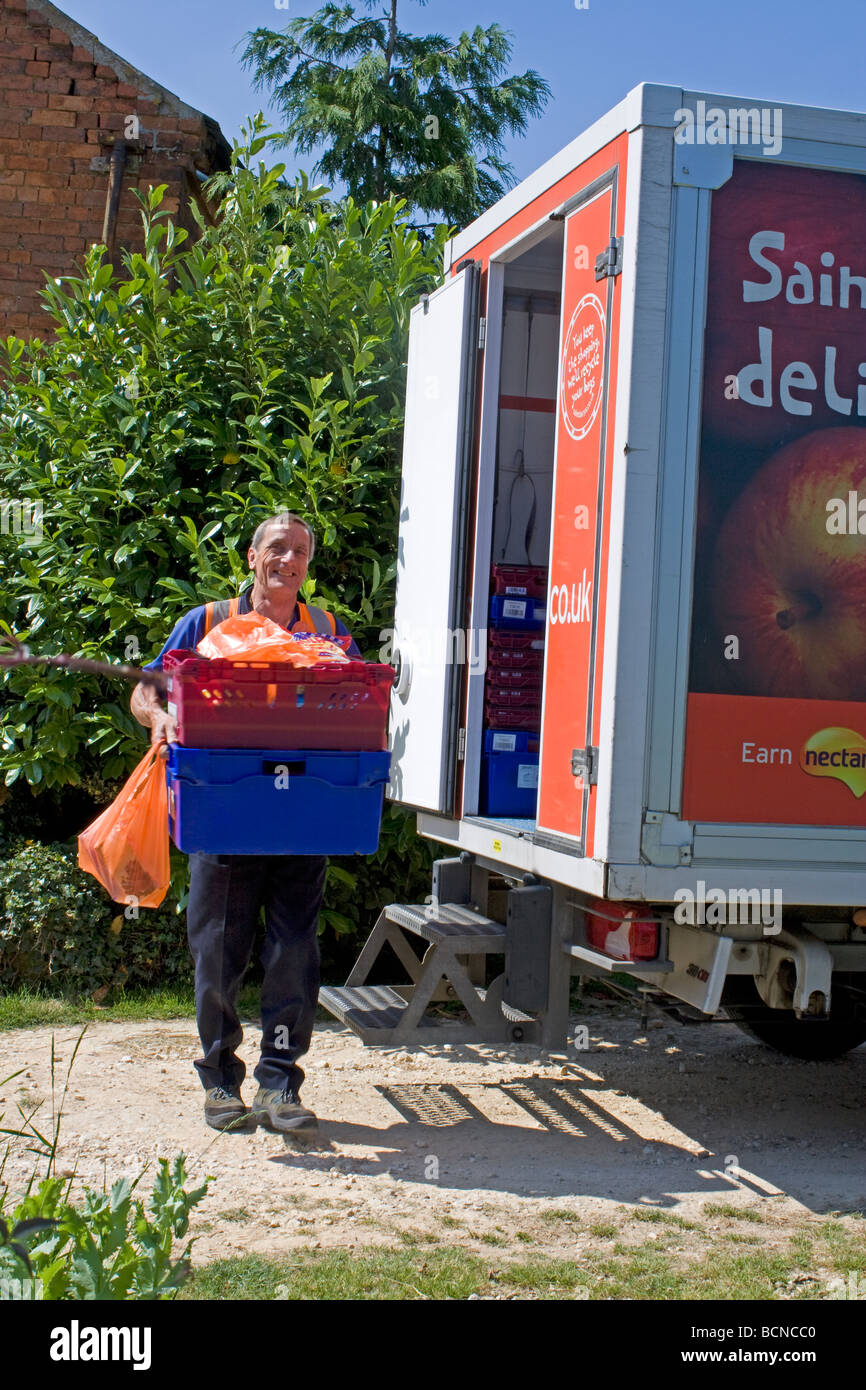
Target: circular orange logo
(582, 369)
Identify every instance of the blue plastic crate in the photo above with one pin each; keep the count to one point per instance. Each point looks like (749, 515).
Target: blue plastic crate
(509, 774)
(517, 614)
(275, 801)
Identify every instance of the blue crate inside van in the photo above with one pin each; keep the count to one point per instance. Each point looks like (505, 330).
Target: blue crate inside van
(517, 614)
(268, 801)
(509, 774)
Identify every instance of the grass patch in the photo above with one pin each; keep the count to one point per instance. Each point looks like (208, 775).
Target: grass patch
(734, 1213)
(604, 1230)
(643, 1272)
(28, 1008)
(847, 1248)
(336, 1274)
(235, 1214)
(667, 1218)
(648, 1272)
(417, 1238)
(544, 1277)
(560, 1214)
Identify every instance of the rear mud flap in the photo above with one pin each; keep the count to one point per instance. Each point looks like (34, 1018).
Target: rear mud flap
(700, 961)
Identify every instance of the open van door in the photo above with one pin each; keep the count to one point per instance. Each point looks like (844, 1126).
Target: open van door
(428, 643)
(589, 327)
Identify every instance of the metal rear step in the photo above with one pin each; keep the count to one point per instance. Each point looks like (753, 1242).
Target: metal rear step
(375, 1013)
(463, 928)
(371, 1011)
(456, 940)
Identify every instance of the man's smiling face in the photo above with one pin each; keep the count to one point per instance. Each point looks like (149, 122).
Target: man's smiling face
(281, 559)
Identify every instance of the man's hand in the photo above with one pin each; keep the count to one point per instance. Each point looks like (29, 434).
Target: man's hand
(163, 729)
(148, 711)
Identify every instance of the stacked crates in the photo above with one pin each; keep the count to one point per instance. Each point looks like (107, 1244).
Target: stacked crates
(272, 759)
(512, 692)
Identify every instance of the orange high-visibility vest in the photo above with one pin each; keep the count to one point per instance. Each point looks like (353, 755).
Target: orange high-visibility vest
(312, 619)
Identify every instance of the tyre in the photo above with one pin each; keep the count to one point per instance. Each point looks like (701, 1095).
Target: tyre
(813, 1040)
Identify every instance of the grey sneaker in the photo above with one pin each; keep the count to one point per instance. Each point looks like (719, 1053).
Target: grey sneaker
(224, 1109)
(282, 1112)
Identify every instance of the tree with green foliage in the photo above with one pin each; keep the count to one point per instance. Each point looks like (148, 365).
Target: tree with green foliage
(421, 117)
(188, 394)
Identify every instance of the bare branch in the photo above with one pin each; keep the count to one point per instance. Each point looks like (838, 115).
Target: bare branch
(21, 657)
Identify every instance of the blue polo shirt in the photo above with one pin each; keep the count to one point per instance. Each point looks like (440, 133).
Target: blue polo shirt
(188, 632)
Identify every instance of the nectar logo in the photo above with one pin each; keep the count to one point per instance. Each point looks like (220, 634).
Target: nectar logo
(837, 753)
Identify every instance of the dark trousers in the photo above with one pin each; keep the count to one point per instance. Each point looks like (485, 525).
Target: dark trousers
(226, 894)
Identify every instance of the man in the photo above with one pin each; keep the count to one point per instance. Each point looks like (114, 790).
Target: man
(226, 892)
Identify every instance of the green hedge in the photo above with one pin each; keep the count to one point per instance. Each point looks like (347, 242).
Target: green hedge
(188, 393)
(59, 930)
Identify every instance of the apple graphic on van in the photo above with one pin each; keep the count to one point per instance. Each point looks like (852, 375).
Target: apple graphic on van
(789, 579)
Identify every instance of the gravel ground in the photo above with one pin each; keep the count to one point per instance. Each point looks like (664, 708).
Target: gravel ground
(467, 1143)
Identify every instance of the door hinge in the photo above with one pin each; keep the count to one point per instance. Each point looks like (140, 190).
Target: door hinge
(584, 763)
(482, 333)
(610, 260)
(461, 745)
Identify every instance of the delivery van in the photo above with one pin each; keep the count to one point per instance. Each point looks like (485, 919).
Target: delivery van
(630, 629)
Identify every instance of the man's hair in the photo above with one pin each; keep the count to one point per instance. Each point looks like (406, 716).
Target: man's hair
(287, 519)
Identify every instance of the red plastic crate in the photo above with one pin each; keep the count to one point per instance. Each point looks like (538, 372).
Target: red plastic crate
(521, 697)
(515, 661)
(248, 704)
(514, 677)
(500, 640)
(520, 581)
(507, 717)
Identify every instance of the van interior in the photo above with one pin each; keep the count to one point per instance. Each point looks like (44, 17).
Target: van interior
(519, 534)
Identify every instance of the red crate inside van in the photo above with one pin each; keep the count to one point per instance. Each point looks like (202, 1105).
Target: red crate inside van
(514, 677)
(500, 642)
(520, 697)
(520, 581)
(507, 717)
(529, 661)
(248, 704)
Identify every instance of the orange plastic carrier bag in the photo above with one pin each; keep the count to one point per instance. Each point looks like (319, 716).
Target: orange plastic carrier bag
(253, 637)
(126, 848)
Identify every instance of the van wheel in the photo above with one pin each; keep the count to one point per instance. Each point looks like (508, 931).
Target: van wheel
(813, 1040)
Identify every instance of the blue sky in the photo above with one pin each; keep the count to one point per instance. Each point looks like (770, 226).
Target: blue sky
(806, 51)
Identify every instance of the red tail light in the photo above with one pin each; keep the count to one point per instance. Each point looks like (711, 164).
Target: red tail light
(624, 931)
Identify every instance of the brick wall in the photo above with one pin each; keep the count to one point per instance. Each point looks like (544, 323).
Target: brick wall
(63, 108)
